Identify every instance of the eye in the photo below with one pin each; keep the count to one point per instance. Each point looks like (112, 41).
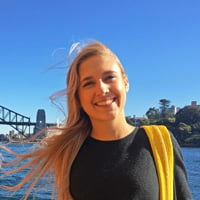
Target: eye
(88, 83)
(109, 77)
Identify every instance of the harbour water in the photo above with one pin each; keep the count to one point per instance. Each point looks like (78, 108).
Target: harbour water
(192, 163)
(191, 158)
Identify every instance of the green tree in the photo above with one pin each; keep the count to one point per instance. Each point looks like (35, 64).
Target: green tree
(196, 127)
(164, 107)
(153, 115)
(142, 121)
(182, 132)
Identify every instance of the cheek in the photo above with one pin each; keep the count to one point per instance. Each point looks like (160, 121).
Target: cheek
(122, 90)
(121, 87)
(84, 99)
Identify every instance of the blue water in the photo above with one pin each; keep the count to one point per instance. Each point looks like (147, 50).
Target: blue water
(191, 158)
(192, 163)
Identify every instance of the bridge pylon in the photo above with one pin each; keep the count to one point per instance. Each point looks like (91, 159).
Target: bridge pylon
(40, 122)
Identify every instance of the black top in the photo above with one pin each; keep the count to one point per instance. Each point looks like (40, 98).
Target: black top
(122, 169)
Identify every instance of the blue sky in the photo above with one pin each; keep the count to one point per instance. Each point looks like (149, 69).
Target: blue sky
(158, 42)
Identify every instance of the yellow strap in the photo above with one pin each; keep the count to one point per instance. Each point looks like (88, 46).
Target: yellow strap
(162, 149)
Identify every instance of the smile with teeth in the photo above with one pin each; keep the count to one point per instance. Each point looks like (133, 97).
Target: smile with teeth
(105, 102)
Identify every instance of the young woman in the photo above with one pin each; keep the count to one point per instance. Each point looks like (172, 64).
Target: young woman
(98, 155)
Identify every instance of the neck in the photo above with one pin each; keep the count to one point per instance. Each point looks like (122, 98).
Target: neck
(111, 130)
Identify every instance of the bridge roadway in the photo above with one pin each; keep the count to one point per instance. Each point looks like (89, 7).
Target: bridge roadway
(25, 123)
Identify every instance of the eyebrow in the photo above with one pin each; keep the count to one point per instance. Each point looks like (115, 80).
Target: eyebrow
(105, 73)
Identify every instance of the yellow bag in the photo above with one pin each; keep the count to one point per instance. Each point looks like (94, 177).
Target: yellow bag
(162, 148)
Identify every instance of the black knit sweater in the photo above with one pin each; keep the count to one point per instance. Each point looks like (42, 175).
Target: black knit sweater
(122, 169)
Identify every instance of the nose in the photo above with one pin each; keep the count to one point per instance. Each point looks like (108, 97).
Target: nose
(102, 88)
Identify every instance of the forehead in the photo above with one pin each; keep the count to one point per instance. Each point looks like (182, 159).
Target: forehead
(97, 65)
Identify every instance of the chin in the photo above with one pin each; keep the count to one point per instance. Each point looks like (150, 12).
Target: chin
(105, 117)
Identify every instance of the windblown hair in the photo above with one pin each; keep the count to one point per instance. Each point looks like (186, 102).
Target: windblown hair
(58, 152)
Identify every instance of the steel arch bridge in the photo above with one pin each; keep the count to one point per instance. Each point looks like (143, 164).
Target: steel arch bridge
(20, 122)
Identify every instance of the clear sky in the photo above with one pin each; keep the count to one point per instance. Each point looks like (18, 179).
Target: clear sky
(158, 42)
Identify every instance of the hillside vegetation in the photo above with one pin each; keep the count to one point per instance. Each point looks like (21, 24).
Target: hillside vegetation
(185, 124)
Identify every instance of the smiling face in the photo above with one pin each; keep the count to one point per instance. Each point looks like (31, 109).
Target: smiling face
(103, 87)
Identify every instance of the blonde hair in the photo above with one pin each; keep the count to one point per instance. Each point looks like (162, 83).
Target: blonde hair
(59, 151)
